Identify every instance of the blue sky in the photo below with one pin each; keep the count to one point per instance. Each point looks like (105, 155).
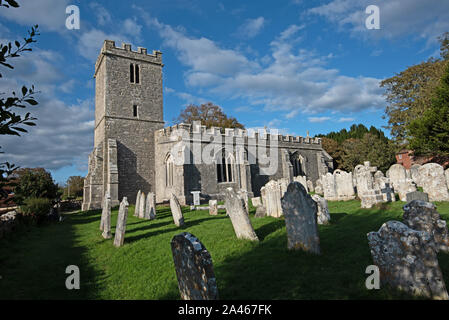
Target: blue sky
(293, 65)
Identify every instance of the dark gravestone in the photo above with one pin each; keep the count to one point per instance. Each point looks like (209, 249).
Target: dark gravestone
(417, 195)
(194, 268)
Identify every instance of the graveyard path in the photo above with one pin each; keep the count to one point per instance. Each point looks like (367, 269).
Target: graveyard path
(33, 262)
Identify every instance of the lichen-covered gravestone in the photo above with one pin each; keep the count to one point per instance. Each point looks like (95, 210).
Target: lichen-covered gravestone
(142, 205)
(423, 216)
(176, 211)
(106, 217)
(194, 268)
(235, 208)
(323, 216)
(300, 212)
(121, 223)
(213, 207)
(407, 260)
(433, 181)
(417, 195)
(150, 207)
(272, 201)
(137, 206)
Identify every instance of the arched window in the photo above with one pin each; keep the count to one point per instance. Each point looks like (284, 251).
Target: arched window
(169, 168)
(298, 163)
(225, 167)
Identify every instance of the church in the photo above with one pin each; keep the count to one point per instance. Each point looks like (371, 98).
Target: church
(133, 150)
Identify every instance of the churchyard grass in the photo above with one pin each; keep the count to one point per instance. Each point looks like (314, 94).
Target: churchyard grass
(33, 262)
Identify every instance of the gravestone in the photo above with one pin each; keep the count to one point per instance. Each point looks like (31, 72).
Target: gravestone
(300, 212)
(310, 186)
(301, 179)
(344, 186)
(106, 217)
(105, 209)
(319, 187)
(329, 189)
(417, 195)
(433, 182)
(150, 207)
(235, 208)
(137, 206)
(407, 260)
(142, 205)
(213, 207)
(423, 216)
(176, 211)
(367, 191)
(272, 199)
(194, 268)
(121, 223)
(446, 173)
(244, 195)
(257, 202)
(414, 173)
(323, 216)
(196, 197)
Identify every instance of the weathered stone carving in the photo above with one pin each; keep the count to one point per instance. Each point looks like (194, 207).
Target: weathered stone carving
(235, 208)
(401, 183)
(257, 202)
(300, 212)
(433, 182)
(194, 268)
(213, 207)
(150, 207)
(384, 185)
(407, 260)
(137, 206)
(366, 189)
(271, 196)
(423, 216)
(121, 223)
(344, 186)
(176, 211)
(323, 216)
(310, 187)
(105, 224)
(414, 174)
(319, 187)
(417, 195)
(329, 189)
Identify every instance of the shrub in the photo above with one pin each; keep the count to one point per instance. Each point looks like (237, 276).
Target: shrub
(38, 207)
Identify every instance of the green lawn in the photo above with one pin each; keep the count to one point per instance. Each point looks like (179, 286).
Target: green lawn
(33, 262)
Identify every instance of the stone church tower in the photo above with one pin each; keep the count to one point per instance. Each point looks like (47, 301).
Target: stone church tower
(128, 110)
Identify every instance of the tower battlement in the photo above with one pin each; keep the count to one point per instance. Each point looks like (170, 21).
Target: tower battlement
(234, 132)
(125, 51)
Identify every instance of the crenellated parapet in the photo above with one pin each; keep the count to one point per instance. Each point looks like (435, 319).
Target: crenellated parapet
(194, 130)
(125, 51)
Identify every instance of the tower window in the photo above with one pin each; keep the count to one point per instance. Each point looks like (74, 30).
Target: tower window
(131, 73)
(225, 167)
(169, 165)
(135, 114)
(134, 73)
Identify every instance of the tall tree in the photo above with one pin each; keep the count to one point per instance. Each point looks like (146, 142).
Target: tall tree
(12, 122)
(209, 114)
(75, 186)
(34, 183)
(409, 93)
(429, 134)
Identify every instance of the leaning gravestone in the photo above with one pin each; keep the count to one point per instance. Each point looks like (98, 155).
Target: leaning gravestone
(323, 216)
(417, 195)
(194, 268)
(423, 216)
(407, 260)
(272, 199)
(300, 212)
(106, 208)
(150, 207)
(106, 217)
(176, 211)
(121, 223)
(433, 180)
(244, 195)
(235, 208)
(142, 205)
(213, 207)
(137, 206)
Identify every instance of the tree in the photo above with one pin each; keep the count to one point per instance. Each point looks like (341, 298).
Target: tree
(209, 115)
(429, 135)
(75, 186)
(34, 183)
(11, 122)
(410, 92)
(334, 149)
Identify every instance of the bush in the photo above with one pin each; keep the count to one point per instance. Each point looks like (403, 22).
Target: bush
(34, 183)
(38, 207)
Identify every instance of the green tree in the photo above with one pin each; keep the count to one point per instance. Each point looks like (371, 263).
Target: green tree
(409, 93)
(334, 149)
(209, 114)
(12, 122)
(34, 183)
(75, 186)
(429, 134)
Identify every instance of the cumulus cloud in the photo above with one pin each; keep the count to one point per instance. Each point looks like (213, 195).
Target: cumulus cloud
(318, 119)
(425, 19)
(251, 28)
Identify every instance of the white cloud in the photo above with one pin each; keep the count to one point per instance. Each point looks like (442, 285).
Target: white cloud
(318, 119)
(251, 28)
(424, 19)
(48, 14)
(346, 119)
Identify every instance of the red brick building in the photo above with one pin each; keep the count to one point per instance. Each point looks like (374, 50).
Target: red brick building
(405, 158)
